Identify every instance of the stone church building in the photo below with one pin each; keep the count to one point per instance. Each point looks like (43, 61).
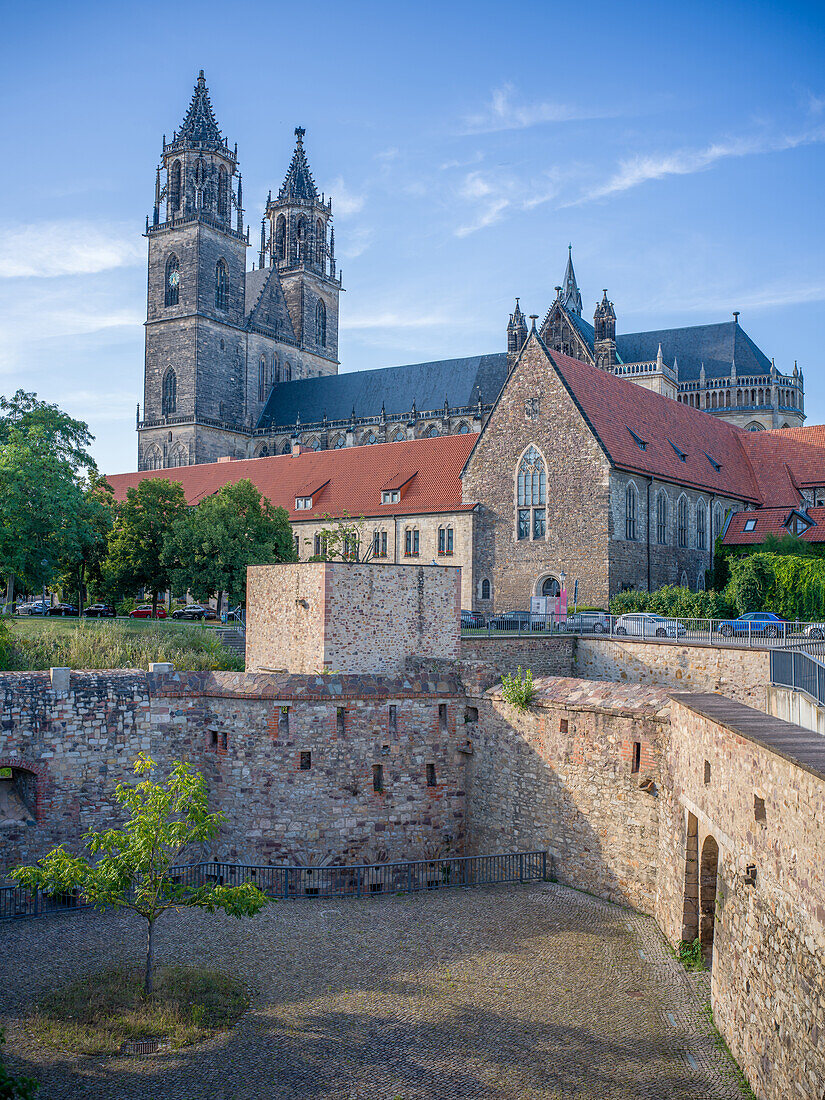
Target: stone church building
(244, 363)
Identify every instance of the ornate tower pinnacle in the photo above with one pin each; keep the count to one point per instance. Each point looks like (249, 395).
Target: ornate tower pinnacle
(516, 335)
(604, 338)
(571, 299)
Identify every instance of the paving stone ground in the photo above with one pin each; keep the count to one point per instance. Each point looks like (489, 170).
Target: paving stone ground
(509, 993)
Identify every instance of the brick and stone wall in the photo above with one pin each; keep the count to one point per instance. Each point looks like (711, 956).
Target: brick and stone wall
(350, 617)
(484, 660)
(737, 673)
(249, 736)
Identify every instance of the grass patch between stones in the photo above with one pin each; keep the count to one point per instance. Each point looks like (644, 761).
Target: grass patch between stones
(98, 1014)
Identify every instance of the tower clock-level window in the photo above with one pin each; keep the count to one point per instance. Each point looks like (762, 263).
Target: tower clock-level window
(320, 324)
(223, 191)
(319, 242)
(170, 393)
(174, 187)
(531, 495)
(221, 285)
(280, 237)
(172, 281)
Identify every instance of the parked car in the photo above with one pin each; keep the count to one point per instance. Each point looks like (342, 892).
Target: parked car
(23, 608)
(760, 623)
(145, 612)
(63, 609)
(588, 622)
(38, 607)
(511, 620)
(646, 625)
(193, 611)
(472, 620)
(100, 611)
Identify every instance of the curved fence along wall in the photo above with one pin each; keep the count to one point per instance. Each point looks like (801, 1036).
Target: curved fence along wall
(306, 769)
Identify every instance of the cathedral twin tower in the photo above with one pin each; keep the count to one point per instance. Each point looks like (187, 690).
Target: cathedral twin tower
(218, 337)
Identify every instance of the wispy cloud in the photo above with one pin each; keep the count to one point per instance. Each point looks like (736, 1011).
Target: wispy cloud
(49, 249)
(494, 194)
(637, 170)
(506, 111)
(344, 201)
(770, 296)
(356, 241)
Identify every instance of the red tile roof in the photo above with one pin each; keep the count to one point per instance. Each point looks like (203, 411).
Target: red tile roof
(616, 408)
(352, 478)
(785, 461)
(771, 521)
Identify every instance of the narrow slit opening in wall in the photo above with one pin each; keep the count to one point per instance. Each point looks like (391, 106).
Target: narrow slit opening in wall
(224, 739)
(707, 773)
(563, 725)
(393, 719)
(340, 720)
(283, 720)
(637, 756)
(442, 717)
(378, 777)
(471, 714)
(213, 740)
(431, 775)
(306, 761)
(759, 808)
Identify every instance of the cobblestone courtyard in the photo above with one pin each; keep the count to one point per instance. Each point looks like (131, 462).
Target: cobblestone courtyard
(523, 993)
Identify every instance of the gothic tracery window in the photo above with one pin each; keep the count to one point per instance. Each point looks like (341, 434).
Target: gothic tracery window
(172, 281)
(262, 379)
(319, 242)
(682, 522)
(630, 503)
(169, 398)
(661, 518)
(701, 525)
(174, 187)
(531, 495)
(280, 237)
(223, 191)
(320, 324)
(221, 285)
(154, 459)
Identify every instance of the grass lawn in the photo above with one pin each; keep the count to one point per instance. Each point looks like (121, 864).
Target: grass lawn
(38, 644)
(98, 1014)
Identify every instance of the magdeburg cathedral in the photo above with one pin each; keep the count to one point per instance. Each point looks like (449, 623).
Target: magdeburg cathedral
(244, 363)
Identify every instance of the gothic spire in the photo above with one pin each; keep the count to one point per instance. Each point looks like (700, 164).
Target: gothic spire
(571, 299)
(299, 186)
(199, 126)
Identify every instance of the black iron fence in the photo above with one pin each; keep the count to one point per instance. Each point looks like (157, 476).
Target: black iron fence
(365, 880)
(800, 670)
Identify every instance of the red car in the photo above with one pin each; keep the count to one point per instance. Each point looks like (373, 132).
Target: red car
(146, 613)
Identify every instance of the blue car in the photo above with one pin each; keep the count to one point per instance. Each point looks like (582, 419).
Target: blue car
(760, 623)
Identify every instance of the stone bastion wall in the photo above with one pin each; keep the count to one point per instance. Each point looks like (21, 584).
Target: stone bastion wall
(306, 769)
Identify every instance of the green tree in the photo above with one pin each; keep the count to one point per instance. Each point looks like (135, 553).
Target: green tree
(44, 470)
(134, 554)
(341, 540)
(132, 866)
(98, 514)
(208, 548)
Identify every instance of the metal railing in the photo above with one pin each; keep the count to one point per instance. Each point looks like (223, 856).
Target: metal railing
(651, 628)
(361, 880)
(800, 670)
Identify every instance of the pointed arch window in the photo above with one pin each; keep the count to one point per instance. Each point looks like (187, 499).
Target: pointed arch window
(682, 522)
(276, 369)
(280, 237)
(154, 459)
(320, 241)
(701, 526)
(262, 380)
(302, 234)
(661, 518)
(174, 187)
(172, 281)
(631, 500)
(223, 191)
(531, 495)
(221, 285)
(320, 324)
(178, 456)
(169, 400)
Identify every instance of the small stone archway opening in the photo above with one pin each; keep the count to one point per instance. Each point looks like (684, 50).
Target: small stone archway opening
(708, 870)
(548, 586)
(690, 911)
(18, 796)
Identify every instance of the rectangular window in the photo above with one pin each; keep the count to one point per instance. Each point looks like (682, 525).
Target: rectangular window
(393, 719)
(391, 496)
(707, 773)
(283, 721)
(340, 721)
(445, 540)
(563, 725)
(411, 542)
(442, 717)
(383, 544)
(296, 544)
(759, 808)
(306, 761)
(376, 544)
(213, 740)
(750, 525)
(637, 756)
(539, 523)
(224, 739)
(431, 775)
(524, 523)
(378, 778)
(303, 504)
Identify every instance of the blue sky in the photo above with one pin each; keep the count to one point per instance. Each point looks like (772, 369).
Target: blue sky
(679, 146)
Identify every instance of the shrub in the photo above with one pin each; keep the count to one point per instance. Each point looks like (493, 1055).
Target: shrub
(15, 1088)
(518, 690)
(5, 645)
(690, 955)
(786, 584)
(673, 600)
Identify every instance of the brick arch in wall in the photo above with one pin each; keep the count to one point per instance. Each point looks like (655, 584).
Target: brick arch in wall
(41, 778)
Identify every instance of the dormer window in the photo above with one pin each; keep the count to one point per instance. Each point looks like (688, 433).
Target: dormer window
(391, 496)
(680, 454)
(716, 465)
(303, 504)
(750, 525)
(640, 443)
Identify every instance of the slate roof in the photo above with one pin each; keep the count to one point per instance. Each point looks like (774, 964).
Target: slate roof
(717, 346)
(351, 478)
(615, 407)
(460, 381)
(254, 285)
(771, 521)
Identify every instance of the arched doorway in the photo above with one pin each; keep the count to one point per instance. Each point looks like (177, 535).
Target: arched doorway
(550, 587)
(707, 897)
